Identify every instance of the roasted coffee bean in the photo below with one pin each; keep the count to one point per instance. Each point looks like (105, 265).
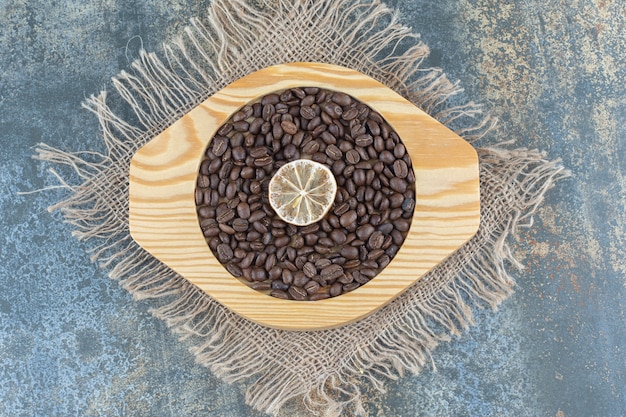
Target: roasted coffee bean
(226, 229)
(383, 261)
(360, 278)
(338, 236)
(243, 210)
(307, 112)
(299, 279)
(334, 152)
(220, 144)
(279, 293)
(350, 114)
(385, 228)
(297, 241)
(363, 140)
(341, 209)
(386, 157)
(258, 274)
(224, 253)
(352, 263)
(398, 185)
(282, 241)
(291, 152)
(335, 289)
(298, 293)
(341, 98)
(331, 272)
(226, 216)
(261, 286)
(359, 177)
(402, 225)
(400, 168)
(365, 231)
(350, 252)
(256, 216)
(287, 277)
(311, 287)
(353, 157)
(399, 151)
(376, 240)
(234, 269)
(348, 220)
(309, 269)
(370, 273)
(311, 148)
(319, 296)
(289, 127)
(322, 263)
(396, 213)
(351, 286)
(332, 109)
(408, 204)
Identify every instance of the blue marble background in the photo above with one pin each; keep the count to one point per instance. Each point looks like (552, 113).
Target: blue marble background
(73, 343)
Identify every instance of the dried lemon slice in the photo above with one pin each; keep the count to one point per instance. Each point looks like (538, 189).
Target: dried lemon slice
(301, 192)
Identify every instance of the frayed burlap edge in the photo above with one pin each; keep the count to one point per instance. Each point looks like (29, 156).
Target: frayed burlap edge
(324, 368)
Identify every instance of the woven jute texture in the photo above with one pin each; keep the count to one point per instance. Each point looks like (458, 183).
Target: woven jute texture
(324, 369)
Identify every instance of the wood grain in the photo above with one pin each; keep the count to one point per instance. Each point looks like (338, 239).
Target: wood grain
(163, 214)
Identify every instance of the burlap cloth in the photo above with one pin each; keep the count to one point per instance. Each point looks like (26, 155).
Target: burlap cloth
(326, 368)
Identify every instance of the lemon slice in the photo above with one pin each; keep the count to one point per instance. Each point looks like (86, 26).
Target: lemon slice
(301, 192)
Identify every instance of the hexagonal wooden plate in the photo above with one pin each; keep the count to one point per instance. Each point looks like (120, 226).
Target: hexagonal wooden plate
(163, 213)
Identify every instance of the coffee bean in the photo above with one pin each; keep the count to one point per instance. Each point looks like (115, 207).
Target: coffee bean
(350, 287)
(400, 168)
(220, 144)
(402, 225)
(299, 279)
(331, 272)
(398, 185)
(287, 277)
(282, 241)
(348, 219)
(291, 152)
(279, 293)
(341, 209)
(350, 252)
(376, 240)
(234, 269)
(226, 216)
(224, 253)
(352, 263)
(332, 109)
(360, 278)
(289, 127)
(370, 273)
(262, 286)
(311, 287)
(311, 147)
(350, 114)
(334, 152)
(309, 270)
(319, 296)
(307, 112)
(298, 293)
(353, 157)
(365, 231)
(359, 177)
(338, 236)
(335, 289)
(363, 140)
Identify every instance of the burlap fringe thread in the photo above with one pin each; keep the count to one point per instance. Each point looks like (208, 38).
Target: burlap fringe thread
(324, 368)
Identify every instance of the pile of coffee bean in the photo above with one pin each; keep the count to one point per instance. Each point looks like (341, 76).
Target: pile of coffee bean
(362, 231)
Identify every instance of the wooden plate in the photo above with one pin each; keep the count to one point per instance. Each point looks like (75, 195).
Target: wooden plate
(163, 216)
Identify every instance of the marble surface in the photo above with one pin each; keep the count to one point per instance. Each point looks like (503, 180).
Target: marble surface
(72, 342)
